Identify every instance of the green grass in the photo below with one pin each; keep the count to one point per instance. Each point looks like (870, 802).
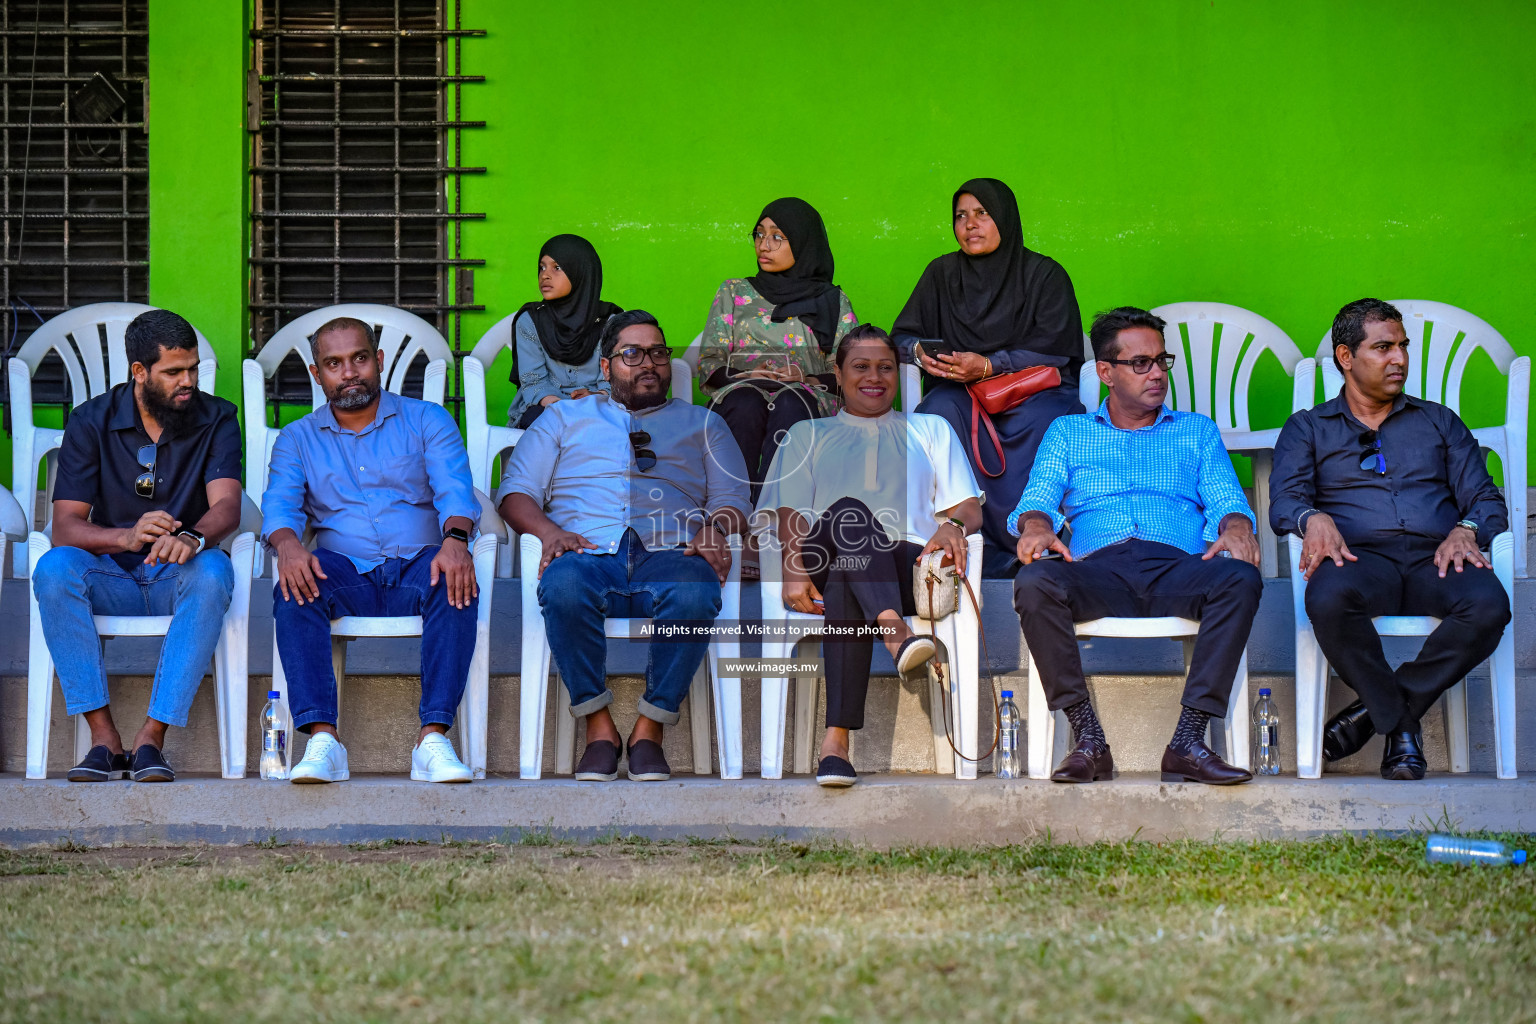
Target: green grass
(1340, 929)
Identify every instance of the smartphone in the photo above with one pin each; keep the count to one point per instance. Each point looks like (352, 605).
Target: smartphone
(1048, 556)
(933, 348)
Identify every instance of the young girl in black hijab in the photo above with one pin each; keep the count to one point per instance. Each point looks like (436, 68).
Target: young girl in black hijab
(992, 308)
(766, 355)
(555, 353)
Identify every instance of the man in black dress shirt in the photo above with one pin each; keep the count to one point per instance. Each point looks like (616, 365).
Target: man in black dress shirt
(1393, 500)
(148, 485)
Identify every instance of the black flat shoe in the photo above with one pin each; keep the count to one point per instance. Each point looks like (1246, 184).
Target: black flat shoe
(835, 773)
(647, 763)
(100, 765)
(149, 765)
(1403, 759)
(599, 762)
(1346, 732)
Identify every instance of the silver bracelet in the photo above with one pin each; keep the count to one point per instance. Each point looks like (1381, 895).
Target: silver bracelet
(1301, 520)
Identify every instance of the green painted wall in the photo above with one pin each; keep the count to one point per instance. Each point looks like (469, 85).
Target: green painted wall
(1286, 157)
(197, 177)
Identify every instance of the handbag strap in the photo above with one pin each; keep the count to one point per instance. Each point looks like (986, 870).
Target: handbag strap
(986, 659)
(979, 416)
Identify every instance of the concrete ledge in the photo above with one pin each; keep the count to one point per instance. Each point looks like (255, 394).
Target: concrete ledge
(882, 810)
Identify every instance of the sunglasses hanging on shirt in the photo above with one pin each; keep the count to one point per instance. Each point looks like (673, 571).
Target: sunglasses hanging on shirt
(1371, 457)
(645, 459)
(144, 485)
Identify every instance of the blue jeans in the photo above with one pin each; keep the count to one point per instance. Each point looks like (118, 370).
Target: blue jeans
(73, 584)
(397, 587)
(580, 589)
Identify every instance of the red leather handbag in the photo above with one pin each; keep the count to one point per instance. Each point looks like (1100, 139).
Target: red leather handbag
(999, 394)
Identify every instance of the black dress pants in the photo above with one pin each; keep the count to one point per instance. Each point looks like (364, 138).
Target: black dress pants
(1399, 578)
(860, 572)
(758, 429)
(1139, 579)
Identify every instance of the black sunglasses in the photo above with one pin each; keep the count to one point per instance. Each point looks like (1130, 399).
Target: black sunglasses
(144, 486)
(660, 355)
(644, 457)
(1143, 364)
(1371, 456)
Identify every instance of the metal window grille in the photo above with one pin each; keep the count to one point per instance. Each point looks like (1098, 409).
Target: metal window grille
(74, 220)
(356, 130)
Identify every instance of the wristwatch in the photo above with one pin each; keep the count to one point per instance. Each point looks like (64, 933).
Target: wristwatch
(1467, 524)
(956, 523)
(456, 533)
(197, 538)
(722, 531)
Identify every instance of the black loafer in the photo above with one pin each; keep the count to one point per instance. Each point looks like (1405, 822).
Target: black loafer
(1403, 758)
(647, 763)
(149, 766)
(100, 765)
(1346, 732)
(599, 762)
(1084, 763)
(835, 773)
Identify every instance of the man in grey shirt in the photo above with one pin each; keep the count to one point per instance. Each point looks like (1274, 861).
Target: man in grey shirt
(634, 497)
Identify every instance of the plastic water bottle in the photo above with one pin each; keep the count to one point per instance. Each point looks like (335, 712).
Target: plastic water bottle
(1445, 849)
(1006, 763)
(1266, 735)
(274, 737)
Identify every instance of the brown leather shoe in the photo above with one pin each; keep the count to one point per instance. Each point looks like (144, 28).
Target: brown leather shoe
(1080, 765)
(1201, 764)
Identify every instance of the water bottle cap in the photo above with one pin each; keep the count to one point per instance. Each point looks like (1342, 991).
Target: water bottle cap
(1519, 857)
(1007, 695)
(273, 695)
(1264, 691)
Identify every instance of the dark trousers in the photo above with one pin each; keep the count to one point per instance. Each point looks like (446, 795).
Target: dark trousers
(1400, 578)
(397, 587)
(1139, 579)
(759, 429)
(580, 589)
(860, 572)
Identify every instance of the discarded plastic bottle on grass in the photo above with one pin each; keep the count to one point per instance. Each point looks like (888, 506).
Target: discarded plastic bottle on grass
(274, 737)
(1266, 735)
(1006, 763)
(1446, 849)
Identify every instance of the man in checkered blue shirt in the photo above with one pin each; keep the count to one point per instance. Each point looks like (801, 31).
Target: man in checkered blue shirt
(1160, 526)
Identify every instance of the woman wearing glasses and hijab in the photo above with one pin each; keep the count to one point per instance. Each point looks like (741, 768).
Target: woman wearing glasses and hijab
(555, 356)
(993, 308)
(766, 355)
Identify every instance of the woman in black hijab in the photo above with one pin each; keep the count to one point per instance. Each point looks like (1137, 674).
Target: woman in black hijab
(554, 352)
(765, 357)
(992, 308)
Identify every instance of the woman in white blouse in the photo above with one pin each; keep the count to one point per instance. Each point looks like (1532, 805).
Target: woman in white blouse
(858, 499)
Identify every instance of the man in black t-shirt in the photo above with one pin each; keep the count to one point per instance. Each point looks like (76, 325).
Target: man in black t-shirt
(148, 485)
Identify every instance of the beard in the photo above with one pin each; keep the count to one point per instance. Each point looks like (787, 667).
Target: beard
(348, 397)
(171, 414)
(624, 393)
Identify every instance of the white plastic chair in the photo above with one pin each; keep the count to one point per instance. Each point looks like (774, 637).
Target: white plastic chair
(959, 634)
(1212, 377)
(1435, 373)
(76, 335)
(13, 527)
(402, 336)
(536, 680)
(231, 659)
(1312, 675)
(1045, 751)
(474, 707)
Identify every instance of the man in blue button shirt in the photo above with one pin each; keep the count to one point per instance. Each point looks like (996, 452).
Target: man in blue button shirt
(384, 481)
(1152, 500)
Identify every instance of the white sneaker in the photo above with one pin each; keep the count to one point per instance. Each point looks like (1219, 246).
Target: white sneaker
(324, 760)
(434, 760)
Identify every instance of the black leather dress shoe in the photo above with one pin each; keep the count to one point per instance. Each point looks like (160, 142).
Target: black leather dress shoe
(1082, 765)
(1346, 732)
(1200, 764)
(1403, 758)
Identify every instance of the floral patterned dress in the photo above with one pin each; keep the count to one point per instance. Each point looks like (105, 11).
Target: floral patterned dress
(740, 335)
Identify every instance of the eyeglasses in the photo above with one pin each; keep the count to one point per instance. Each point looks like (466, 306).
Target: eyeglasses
(1143, 364)
(1371, 456)
(775, 241)
(660, 355)
(144, 486)
(644, 457)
